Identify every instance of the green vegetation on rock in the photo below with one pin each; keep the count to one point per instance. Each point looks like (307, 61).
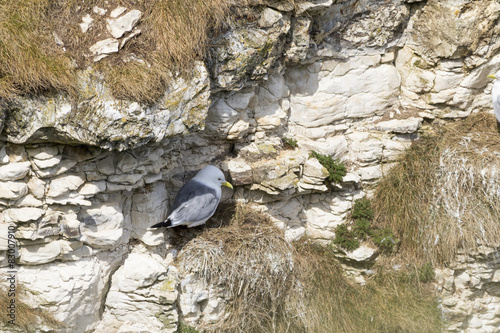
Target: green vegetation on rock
(349, 237)
(184, 328)
(346, 238)
(336, 169)
(289, 143)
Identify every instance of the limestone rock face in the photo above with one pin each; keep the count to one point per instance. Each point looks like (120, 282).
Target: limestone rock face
(72, 291)
(249, 52)
(405, 126)
(82, 180)
(194, 294)
(142, 296)
(436, 27)
(471, 273)
(100, 120)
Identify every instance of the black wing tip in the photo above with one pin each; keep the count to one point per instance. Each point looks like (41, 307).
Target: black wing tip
(164, 224)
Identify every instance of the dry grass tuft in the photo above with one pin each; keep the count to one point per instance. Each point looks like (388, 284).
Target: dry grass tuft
(135, 81)
(443, 196)
(174, 33)
(30, 61)
(27, 318)
(389, 302)
(178, 31)
(252, 261)
(273, 287)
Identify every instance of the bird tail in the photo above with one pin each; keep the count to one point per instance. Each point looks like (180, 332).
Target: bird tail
(165, 224)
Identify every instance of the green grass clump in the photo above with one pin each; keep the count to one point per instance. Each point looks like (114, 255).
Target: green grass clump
(289, 143)
(336, 169)
(362, 228)
(426, 273)
(349, 237)
(384, 239)
(362, 209)
(346, 238)
(184, 328)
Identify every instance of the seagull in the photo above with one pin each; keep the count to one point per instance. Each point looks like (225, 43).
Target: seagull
(197, 200)
(495, 96)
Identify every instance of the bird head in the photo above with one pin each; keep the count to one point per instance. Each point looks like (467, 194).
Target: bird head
(214, 175)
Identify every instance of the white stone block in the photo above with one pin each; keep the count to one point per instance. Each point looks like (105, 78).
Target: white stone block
(400, 126)
(362, 254)
(106, 166)
(126, 162)
(106, 46)
(269, 17)
(371, 173)
(117, 11)
(291, 209)
(240, 171)
(99, 11)
(314, 169)
(14, 171)
(39, 254)
(12, 190)
(420, 81)
(4, 234)
(36, 187)
(47, 163)
(446, 80)
(87, 21)
(64, 184)
(44, 152)
(316, 110)
(90, 189)
(138, 271)
(118, 26)
(23, 214)
(240, 100)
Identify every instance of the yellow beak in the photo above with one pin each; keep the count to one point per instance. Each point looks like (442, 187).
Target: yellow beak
(228, 184)
(492, 76)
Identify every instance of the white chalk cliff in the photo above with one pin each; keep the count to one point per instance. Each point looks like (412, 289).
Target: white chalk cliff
(352, 79)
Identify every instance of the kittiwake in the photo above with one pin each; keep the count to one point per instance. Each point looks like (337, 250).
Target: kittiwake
(197, 200)
(495, 96)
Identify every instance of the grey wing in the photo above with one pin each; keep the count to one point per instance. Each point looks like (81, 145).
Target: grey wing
(197, 209)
